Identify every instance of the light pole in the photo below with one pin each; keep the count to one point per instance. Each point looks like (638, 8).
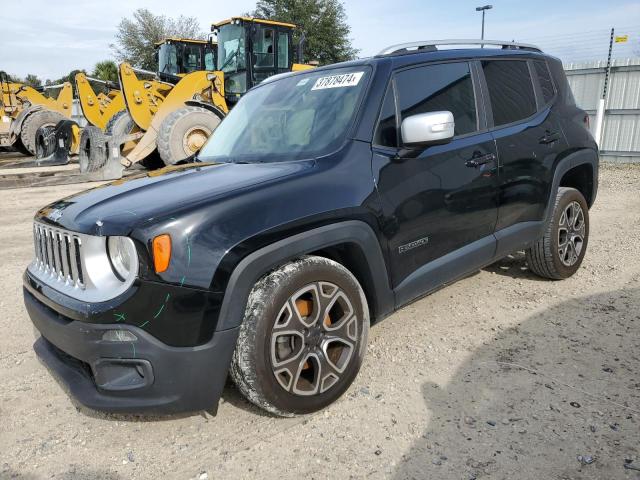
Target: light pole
(483, 10)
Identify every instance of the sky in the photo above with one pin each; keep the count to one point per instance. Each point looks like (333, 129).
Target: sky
(51, 38)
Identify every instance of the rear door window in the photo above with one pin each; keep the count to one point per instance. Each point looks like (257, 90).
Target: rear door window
(432, 88)
(510, 90)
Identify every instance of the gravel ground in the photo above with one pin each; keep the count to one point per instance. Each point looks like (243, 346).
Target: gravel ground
(501, 375)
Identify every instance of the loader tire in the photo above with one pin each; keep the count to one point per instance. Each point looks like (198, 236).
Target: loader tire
(93, 150)
(45, 141)
(120, 124)
(184, 132)
(36, 120)
(19, 146)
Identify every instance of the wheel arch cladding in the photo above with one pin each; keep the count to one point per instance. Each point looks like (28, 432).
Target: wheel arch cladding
(343, 238)
(581, 178)
(575, 164)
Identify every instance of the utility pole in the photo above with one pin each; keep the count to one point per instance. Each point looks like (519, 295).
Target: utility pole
(483, 10)
(597, 132)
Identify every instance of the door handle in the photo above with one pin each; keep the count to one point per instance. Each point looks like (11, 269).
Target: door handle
(549, 137)
(479, 160)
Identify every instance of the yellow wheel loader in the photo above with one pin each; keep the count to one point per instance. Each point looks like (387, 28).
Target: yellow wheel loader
(53, 146)
(172, 117)
(107, 111)
(24, 109)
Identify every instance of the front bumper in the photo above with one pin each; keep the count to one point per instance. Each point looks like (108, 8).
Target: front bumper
(140, 376)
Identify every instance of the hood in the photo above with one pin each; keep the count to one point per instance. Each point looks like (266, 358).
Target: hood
(117, 208)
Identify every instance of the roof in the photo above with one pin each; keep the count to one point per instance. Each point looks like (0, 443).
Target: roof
(181, 40)
(255, 20)
(401, 59)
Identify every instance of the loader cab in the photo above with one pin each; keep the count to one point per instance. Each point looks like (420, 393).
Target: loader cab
(251, 50)
(179, 56)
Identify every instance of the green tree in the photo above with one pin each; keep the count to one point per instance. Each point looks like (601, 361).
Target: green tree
(32, 80)
(323, 22)
(106, 70)
(136, 37)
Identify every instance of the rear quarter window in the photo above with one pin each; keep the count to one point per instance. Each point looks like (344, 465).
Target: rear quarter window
(544, 78)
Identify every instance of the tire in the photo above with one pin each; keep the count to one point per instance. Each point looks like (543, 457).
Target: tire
(184, 132)
(93, 150)
(560, 251)
(290, 373)
(119, 124)
(19, 146)
(45, 141)
(34, 121)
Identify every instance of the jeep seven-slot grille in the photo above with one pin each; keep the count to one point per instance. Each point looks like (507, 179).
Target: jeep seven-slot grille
(59, 254)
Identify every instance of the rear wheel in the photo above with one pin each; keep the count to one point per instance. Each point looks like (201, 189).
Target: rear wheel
(93, 150)
(559, 253)
(34, 121)
(184, 132)
(303, 337)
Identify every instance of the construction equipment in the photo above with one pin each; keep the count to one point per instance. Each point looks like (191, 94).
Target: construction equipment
(179, 56)
(54, 146)
(106, 110)
(174, 115)
(24, 109)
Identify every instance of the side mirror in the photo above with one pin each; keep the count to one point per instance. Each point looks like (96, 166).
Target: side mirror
(424, 129)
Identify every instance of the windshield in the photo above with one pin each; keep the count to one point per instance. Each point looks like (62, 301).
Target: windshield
(191, 58)
(300, 116)
(231, 48)
(168, 59)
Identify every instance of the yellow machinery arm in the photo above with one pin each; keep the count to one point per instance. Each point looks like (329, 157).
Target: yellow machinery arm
(97, 108)
(142, 97)
(149, 102)
(61, 104)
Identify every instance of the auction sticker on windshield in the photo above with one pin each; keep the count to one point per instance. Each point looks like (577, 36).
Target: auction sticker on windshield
(337, 81)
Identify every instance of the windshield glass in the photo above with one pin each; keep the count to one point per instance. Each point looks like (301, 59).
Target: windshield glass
(300, 116)
(191, 58)
(168, 59)
(231, 56)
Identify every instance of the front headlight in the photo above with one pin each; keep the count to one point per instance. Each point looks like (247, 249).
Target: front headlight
(122, 254)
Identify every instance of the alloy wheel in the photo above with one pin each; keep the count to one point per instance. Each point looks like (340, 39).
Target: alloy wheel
(313, 339)
(571, 233)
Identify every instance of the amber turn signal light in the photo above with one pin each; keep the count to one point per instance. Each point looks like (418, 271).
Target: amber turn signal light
(161, 252)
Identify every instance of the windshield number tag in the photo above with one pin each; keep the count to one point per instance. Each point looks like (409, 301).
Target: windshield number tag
(337, 81)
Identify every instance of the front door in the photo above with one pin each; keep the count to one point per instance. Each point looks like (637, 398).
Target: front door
(439, 208)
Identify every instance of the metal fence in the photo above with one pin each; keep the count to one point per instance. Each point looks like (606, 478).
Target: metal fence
(620, 140)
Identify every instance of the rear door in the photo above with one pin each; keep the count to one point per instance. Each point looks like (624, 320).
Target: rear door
(443, 202)
(528, 138)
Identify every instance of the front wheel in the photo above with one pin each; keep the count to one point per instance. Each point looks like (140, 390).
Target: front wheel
(303, 337)
(184, 132)
(560, 251)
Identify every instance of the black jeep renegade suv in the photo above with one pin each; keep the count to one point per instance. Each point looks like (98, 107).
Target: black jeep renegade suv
(324, 201)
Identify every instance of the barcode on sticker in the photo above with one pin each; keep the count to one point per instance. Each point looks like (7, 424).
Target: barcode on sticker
(337, 81)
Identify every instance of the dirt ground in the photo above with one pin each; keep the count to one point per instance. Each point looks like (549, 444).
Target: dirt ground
(501, 375)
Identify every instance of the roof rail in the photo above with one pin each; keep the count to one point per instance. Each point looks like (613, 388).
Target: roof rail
(432, 44)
